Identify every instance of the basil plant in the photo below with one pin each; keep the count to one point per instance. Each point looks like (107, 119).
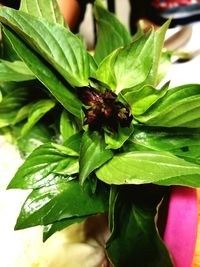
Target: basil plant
(98, 133)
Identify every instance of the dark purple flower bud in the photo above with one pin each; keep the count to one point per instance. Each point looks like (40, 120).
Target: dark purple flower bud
(108, 112)
(104, 110)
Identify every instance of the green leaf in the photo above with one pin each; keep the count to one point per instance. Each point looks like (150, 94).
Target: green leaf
(159, 66)
(113, 198)
(179, 107)
(43, 166)
(65, 149)
(133, 62)
(14, 71)
(47, 9)
(93, 66)
(46, 75)
(68, 125)
(159, 38)
(141, 167)
(105, 72)
(135, 231)
(39, 134)
(11, 102)
(74, 142)
(141, 100)
(128, 66)
(37, 111)
(60, 201)
(111, 33)
(116, 140)
(50, 229)
(8, 53)
(6, 119)
(187, 180)
(93, 154)
(13, 99)
(164, 65)
(184, 143)
(22, 113)
(56, 44)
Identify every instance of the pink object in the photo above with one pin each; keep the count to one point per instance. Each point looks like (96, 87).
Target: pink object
(181, 225)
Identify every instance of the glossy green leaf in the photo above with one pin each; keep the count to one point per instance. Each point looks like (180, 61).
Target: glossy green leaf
(22, 113)
(135, 231)
(6, 119)
(12, 101)
(93, 154)
(111, 33)
(133, 62)
(39, 134)
(180, 107)
(158, 68)
(47, 9)
(142, 99)
(37, 111)
(60, 201)
(128, 66)
(105, 72)
(116, 140)
(113, 198)
(185, 180)
(68, 125)
(8, 52)
(184, 143)
(46, 75)
(56, 44)
(93, 66)
(164, 65)
(65, 149)
(74, 142)
(141, 167)
(14, 71)
(50, 229)
(43, 166)
(159, 37)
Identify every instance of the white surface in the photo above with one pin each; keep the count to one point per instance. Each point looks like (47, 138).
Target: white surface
(188, 72)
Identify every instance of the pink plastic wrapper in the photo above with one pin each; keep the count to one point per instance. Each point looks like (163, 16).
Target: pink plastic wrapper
(181, 226)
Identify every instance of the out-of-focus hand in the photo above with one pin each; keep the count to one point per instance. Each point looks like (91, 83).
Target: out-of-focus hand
(69, 9)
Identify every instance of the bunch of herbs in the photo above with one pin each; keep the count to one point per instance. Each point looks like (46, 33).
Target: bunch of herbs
(98, 133)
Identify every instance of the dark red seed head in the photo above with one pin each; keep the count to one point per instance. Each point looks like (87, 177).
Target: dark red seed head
(104, 110)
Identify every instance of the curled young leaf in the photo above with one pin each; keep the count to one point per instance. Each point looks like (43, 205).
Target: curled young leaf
(129, 65)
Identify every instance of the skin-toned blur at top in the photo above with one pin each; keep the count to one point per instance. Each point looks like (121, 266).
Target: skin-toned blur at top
(69, 9)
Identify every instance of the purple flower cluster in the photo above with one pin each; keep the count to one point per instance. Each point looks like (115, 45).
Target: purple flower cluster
(104, 110)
